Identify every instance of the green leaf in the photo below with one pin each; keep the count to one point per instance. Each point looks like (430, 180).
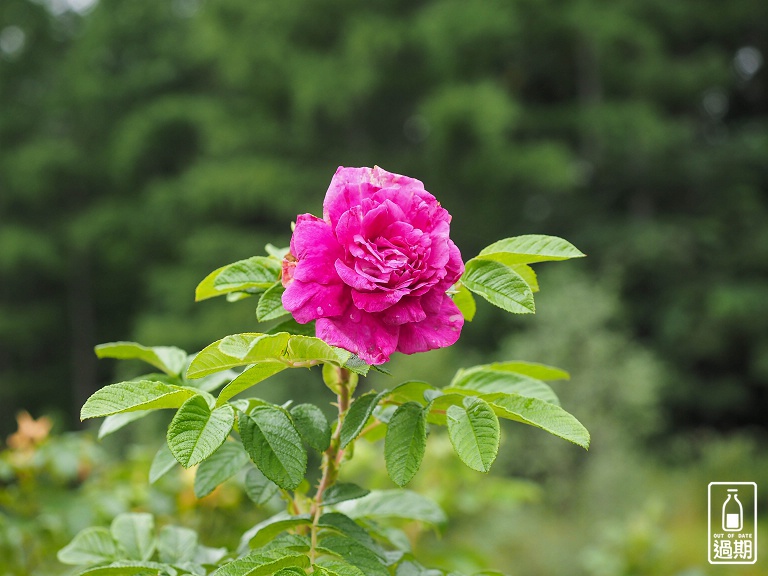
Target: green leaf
(258, 272)
(543, 415)
(264, 563)
(335, 522)
(338, 568)
(259, 488)
(115, 422)
(356, 554)
(465, 302)
(357, 415)
(312, 426)
(270, 304)
(405, 442)
(249, 377)
(267, 530)
(343, 491)
(474, 432)
(335, 379)
(403, 504)
(169, 359)
(176, 544)
(273, 443)
(531, 248)
(196, 431)
(128, 568)
(238, 350)
(499, 285)
(214, 381)
(290, 572)
(305, 349)
(135, 532)
(89, 546)
(526, 273)
(532, 369)
(134, 395)
(162, 463)
(276, 252)
(486, 380)
(227, 461)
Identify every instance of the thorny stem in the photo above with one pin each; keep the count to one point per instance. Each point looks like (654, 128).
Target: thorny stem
(332, 458)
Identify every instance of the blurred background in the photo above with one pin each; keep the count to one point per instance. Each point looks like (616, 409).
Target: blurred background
(145, 143)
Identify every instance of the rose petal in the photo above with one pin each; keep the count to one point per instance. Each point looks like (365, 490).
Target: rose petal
(352, 277)
(361, 333)
(348, 188)
(316, 249)
(436, 331)
(408, 310)
(309, 301)
(378, 300)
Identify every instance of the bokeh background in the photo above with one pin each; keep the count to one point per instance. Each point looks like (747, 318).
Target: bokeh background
(144, 143)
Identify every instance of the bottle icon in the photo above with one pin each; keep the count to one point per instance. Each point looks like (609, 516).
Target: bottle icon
(733, 513)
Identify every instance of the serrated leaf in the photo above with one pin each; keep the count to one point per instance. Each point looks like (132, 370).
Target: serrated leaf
(169, 359)
(357, 415)
(176, 544)
(249, 377)
(336, 522)
(356, 554)
(134, 395)
(196, 431)
(343, 491)
(500, 285)
(542, 415)
(403, 504)
(258, 272)
(486, 380)
(532, 248)
(227, 461)
(338, 568)
(474, 432)
(238, 350)
(115, 422)
(264, 563)
(128, 568)
(405, 442)
(312, 426)
(135, 532)
(267, 530)
(259, 488)
(304, 349)
(162, 463)
(526, 273)
(465, 302)
(270, 304)
(273, 443)
(89, 546)
(532, 369)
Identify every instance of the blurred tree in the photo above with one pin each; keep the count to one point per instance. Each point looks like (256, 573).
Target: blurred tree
(145, 143)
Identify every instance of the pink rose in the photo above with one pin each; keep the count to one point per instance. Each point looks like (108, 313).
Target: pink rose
(375, 270)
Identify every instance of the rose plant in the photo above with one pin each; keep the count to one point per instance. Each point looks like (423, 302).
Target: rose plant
(377, 274)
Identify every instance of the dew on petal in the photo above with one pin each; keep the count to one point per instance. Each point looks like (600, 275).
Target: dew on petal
(320, 310)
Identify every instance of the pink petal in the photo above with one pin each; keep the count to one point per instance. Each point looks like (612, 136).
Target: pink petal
(308, 301)
(408, 310)
(378, 300)
(436, 331)
(348, 188)
(316, 249)
(361, 333)
(352, 277)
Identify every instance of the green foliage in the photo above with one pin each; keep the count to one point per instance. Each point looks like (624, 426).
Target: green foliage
(273, 437)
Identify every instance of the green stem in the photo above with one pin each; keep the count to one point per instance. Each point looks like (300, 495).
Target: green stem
(332, 458)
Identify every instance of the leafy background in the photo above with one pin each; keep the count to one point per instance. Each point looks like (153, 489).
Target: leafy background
(146, 143)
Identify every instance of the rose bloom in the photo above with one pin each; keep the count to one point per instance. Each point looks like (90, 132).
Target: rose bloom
(375, 269)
